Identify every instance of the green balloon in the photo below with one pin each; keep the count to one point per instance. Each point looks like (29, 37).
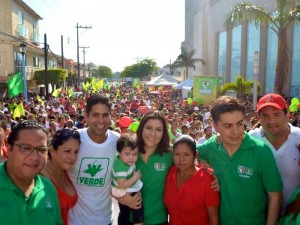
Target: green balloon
(293, 108)
(198, 100)
(294, 101)
(134, 126)
(189, 100)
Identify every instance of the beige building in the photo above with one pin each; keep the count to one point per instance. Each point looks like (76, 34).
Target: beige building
(229, 53)
(19, 24)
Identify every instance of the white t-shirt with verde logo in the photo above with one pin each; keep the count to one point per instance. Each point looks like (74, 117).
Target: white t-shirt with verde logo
(91, 175)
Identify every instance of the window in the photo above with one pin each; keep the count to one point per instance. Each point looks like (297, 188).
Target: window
(18, 61)
(252, 46)
(295, 81)
(34, 25)
(222, 55)
(20, 17)
(271, 61)
(236, 42)
(36, 61)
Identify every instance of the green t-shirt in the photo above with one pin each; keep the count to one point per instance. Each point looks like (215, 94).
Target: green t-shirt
(245, 178)
(120, 170)
(288, 220)
(42, 207)
(154, 174)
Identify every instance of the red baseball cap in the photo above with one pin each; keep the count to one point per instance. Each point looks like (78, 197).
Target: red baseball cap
(272, 99)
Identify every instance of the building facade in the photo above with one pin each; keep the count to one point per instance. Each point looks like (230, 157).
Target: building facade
(19, 24)
(229, 53)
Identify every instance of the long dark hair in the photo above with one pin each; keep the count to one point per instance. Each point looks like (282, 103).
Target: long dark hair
(62, 136)
(164, 144)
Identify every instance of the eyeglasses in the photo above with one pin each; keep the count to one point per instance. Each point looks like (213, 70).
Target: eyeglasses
(28, 149)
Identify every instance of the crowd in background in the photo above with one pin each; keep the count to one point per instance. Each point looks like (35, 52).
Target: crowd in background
(183, 123)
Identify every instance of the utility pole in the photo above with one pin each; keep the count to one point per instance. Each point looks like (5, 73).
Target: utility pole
(62, 52)
(46, 64)
(78, 62)
(84, 71)
(137, 59)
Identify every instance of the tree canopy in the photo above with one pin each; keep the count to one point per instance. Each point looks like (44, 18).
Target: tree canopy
(54, 76)
(141, 69)
(240, 86)
(102, 71)
(186, 59)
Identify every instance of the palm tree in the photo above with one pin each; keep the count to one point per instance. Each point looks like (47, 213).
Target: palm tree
(285, 16)
(241, 87)
(186, 59)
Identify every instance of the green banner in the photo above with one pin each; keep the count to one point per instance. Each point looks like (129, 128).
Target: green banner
(206, 89)
(136, 82)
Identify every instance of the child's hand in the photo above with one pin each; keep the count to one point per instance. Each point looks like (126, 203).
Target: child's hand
(137, 174)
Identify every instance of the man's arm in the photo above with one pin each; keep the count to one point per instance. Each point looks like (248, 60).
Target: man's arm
(275, 201)
(133, 202)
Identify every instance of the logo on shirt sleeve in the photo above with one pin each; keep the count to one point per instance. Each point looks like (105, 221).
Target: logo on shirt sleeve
(93, 171)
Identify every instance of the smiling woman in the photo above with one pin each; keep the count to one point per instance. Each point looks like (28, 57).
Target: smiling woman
(63, 153)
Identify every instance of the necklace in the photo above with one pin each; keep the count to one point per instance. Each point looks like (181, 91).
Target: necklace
(54, 175)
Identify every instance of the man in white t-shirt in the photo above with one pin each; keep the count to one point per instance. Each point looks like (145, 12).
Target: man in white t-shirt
(281, 137)
(207, 135)
(57, 108)
(91, 173)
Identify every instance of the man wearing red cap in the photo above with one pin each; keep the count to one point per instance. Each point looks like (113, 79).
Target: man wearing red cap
(281, 137)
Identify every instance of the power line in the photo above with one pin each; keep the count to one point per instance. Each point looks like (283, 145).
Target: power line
(78, 62)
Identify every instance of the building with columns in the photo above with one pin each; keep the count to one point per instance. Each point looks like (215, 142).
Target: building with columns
(229, 53)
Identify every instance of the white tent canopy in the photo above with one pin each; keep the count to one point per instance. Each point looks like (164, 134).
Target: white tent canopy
(163, 80)
(187, 83)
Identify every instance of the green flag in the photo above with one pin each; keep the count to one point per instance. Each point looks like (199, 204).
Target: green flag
(19, 111)
(70, 92)
(15, 85)
(56, 92)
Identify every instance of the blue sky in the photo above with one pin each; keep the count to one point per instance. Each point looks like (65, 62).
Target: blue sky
(123, 31)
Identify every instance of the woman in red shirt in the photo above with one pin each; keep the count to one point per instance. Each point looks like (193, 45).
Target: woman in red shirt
(188, 195)
(63, 154)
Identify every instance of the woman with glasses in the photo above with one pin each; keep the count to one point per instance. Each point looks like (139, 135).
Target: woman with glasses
(63, 154)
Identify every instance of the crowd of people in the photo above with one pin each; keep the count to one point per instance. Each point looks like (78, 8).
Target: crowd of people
(165, 161)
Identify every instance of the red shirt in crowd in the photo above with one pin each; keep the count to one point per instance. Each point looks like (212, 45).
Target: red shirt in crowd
(188, 204)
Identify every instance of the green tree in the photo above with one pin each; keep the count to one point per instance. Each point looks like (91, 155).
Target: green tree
(102, 71)
(88, 80)
(287, 14)
(71, 78)
(240, 86)
(186, 59)
(141, 69)
(55, 77)
(91, 67)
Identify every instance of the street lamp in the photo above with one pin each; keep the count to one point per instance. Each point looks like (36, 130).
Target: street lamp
(23, 50)
(255, 81)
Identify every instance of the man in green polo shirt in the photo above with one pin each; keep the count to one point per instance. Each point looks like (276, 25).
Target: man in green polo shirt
(25, 197)
(251, 187)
